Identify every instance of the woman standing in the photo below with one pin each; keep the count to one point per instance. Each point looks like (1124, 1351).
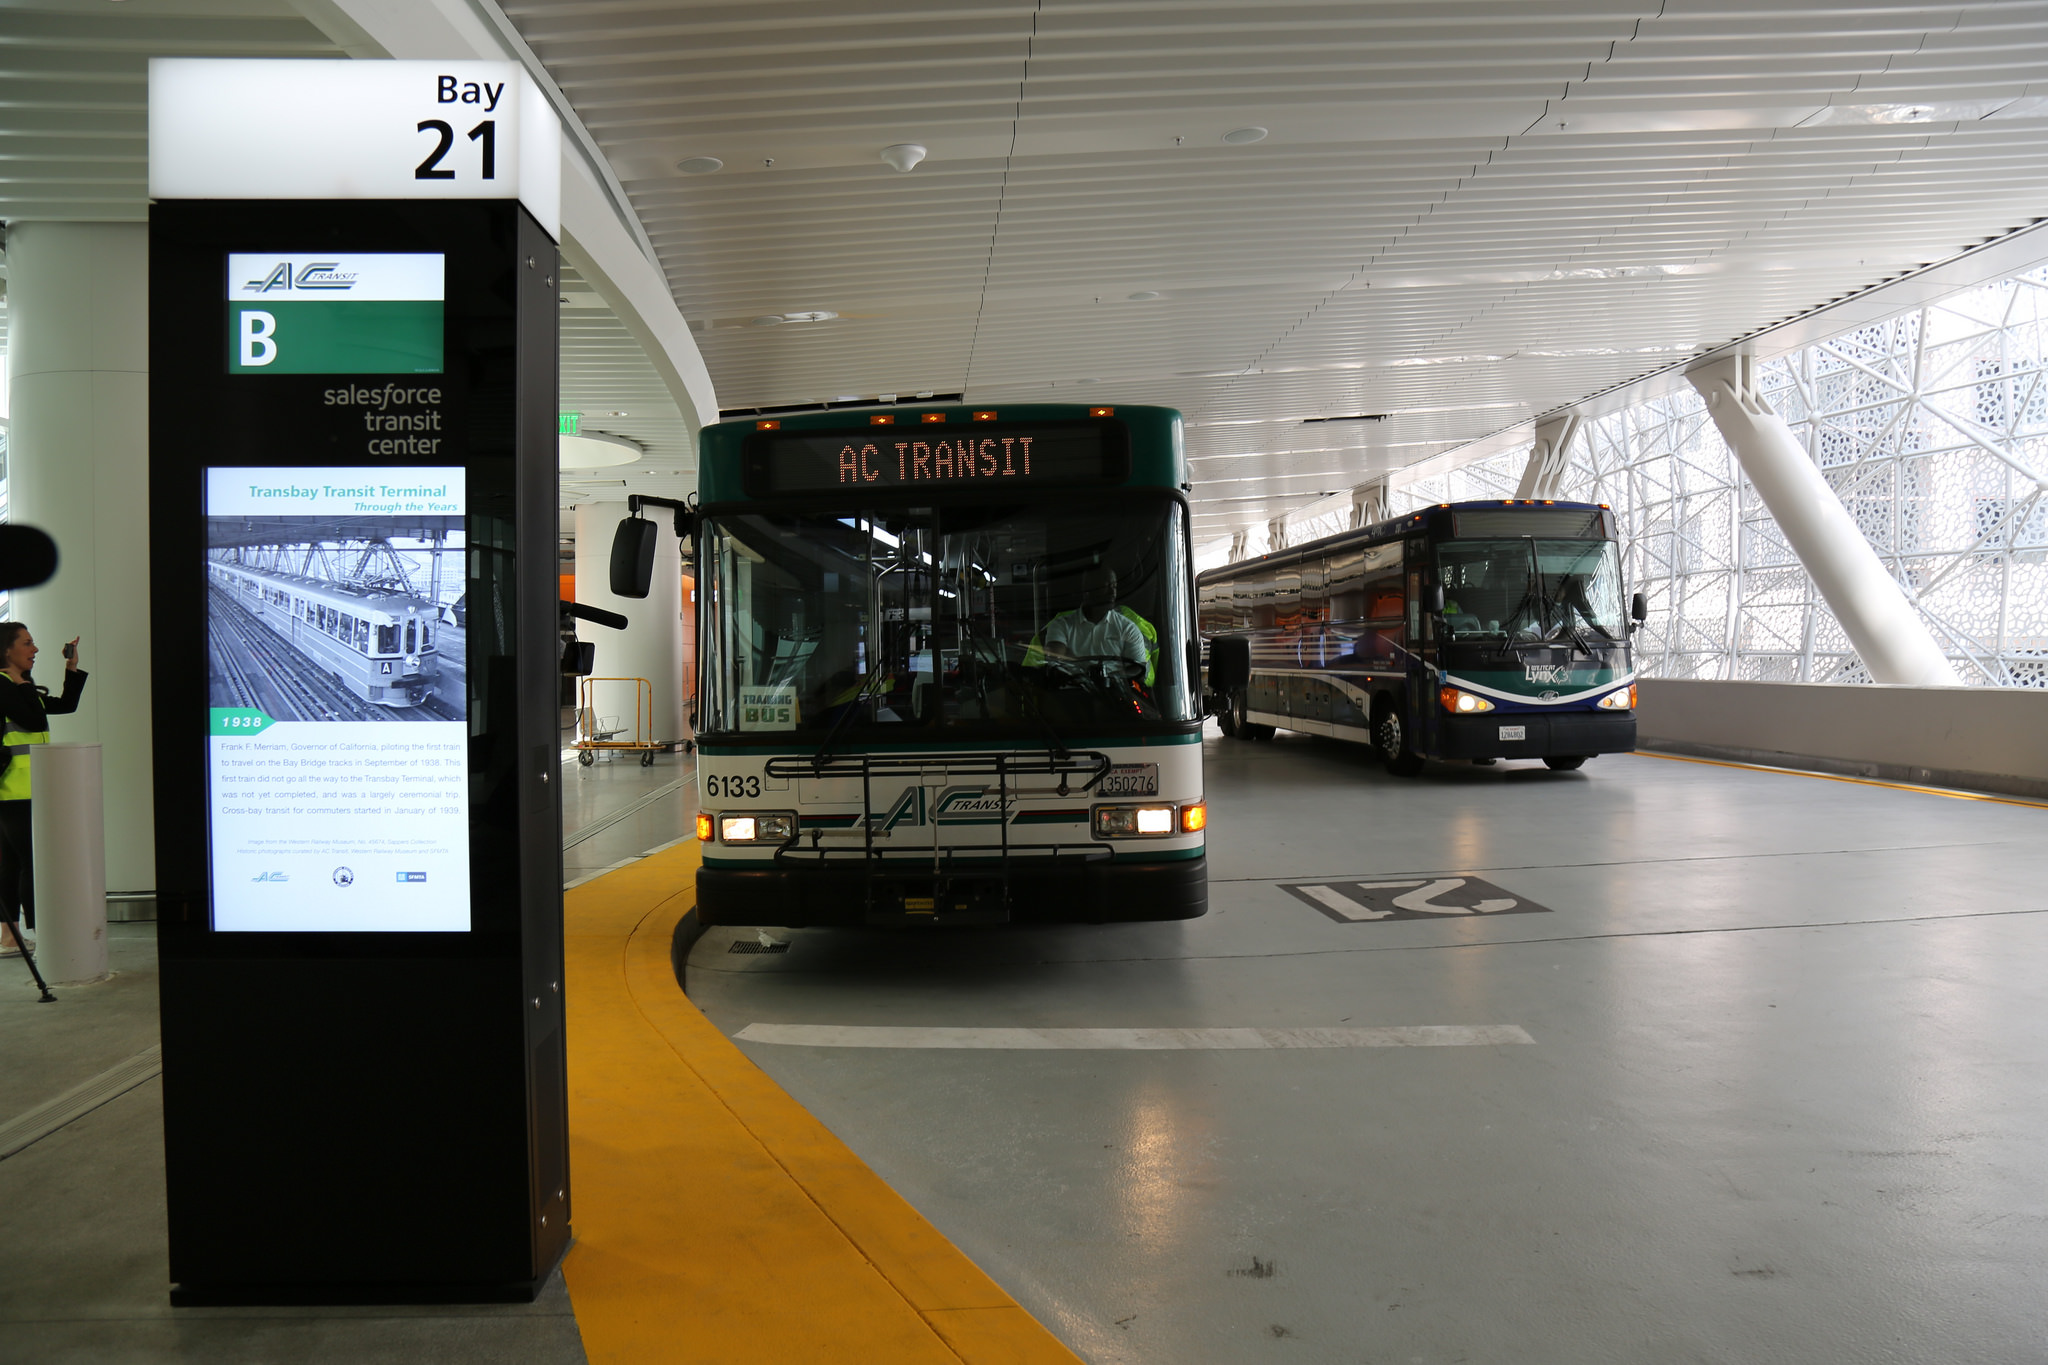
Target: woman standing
(25, 710)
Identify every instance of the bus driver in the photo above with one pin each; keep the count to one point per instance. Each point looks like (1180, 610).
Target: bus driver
(1097, 630)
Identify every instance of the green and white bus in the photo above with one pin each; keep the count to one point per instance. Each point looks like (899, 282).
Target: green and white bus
(1470, 630)
(947, 670)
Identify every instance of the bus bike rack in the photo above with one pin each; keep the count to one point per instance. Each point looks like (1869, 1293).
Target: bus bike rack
(878, 868)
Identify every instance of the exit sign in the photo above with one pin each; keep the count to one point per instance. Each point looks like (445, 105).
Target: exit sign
(570, 421)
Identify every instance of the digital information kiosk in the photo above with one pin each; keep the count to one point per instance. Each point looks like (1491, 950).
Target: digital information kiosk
(353, 358)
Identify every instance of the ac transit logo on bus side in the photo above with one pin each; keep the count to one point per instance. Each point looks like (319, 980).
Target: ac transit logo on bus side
(326, 275)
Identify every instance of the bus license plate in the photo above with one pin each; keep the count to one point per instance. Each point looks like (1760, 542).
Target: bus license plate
(1130, 779)
(1508, 732)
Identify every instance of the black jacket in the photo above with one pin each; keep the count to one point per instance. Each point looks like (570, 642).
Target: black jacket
(27, 707)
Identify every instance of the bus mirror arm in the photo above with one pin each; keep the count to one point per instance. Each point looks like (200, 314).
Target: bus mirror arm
(597, 616)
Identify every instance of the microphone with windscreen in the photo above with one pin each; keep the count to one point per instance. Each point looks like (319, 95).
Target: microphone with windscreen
(27, 557)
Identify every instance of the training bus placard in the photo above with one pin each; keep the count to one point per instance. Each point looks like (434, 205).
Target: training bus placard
(338, 723)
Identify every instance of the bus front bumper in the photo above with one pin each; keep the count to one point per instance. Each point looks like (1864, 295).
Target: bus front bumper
(1544, 735)
(1039, 891)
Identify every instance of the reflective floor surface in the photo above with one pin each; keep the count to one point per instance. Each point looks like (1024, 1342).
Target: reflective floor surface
(82, 1211)
(1782, 1097)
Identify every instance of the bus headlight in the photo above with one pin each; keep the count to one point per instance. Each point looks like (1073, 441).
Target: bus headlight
(1460, 702)
(1133, 822)
(1624, 700)
(762, 827)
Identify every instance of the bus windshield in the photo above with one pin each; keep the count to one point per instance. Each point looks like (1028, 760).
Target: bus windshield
(1035, 621)
(1507, 593)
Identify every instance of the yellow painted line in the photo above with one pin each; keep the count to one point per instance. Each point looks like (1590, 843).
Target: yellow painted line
(1949, 792)
(715, 1219)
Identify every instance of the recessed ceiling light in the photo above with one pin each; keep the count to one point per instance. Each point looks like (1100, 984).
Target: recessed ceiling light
(1241, 135)
(1143, 296)
(903, 155)
(811, 315)
(700, 165)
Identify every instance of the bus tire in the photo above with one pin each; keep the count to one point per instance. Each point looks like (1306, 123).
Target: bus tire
(1226, 715)
(1564, 763)
(1237, 707)
(1390, 742)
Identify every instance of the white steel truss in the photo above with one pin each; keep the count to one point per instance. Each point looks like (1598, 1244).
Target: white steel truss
(1933, 430)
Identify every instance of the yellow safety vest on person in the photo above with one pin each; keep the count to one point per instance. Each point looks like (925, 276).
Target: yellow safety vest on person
(14, 783)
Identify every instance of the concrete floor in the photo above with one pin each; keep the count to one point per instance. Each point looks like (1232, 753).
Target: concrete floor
(1784, 1101)
(82, 1211)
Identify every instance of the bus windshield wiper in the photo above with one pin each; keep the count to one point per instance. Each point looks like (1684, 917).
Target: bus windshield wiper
(1056, 746)
(867, 690)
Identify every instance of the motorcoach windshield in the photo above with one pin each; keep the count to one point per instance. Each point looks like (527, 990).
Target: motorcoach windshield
(1018, 619)
(1508, 593)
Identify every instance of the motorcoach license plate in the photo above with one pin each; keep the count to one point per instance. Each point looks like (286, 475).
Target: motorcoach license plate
(1508, 732)
(1130, 779)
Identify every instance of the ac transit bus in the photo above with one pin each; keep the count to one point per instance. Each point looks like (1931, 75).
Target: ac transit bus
(947, 668)
(1473, 630)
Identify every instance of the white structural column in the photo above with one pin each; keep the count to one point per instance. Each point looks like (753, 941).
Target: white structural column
(1888, 634)
(652, 646)
(78, 456)
(1368, 503)
(1543, 476)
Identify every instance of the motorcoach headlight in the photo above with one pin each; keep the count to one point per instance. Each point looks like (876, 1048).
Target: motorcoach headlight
(1133, 822)
(1460, 702)
(758, 827)
(1623, 700)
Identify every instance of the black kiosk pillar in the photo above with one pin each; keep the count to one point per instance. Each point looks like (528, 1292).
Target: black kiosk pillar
(353, 355)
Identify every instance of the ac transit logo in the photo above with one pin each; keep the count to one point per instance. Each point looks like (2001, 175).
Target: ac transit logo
(1547, 673)
(327, 275)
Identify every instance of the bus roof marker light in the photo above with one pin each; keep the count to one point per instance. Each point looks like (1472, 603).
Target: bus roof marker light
(882, 419)
(1102, 412)
(985, 416)
(768, 424)
(931, 417)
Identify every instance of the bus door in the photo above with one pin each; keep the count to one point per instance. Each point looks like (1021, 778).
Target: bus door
(1421, 689)
(1311, 699)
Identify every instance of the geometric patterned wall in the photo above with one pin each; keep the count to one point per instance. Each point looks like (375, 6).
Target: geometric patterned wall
(1933, 430)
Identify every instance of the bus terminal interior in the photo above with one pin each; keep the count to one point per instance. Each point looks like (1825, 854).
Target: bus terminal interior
(1721, 1045)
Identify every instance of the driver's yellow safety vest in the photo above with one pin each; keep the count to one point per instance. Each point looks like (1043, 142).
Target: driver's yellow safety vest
(14, 782)
(1034, 653)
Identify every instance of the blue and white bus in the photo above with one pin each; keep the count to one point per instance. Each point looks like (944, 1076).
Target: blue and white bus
(1473, 630)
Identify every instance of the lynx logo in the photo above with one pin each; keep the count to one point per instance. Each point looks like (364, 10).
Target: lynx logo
(1546, 673)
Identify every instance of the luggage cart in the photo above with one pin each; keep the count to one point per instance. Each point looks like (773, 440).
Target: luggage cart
(592, 738)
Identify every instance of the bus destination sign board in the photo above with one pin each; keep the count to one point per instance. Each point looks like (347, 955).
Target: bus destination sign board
(875, 458)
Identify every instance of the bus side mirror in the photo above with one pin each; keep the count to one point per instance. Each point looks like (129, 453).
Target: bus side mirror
(633, 557)
(1433, 598)
(1639, 609)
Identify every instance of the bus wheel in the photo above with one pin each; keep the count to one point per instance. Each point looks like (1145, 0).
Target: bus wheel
(1390, 740)
(1239, 726)
(1226, 716)
(1564, 763)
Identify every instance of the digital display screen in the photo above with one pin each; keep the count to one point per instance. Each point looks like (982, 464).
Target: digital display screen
(918, 455)
(1553, 523)
(335, 312)
(338, 735)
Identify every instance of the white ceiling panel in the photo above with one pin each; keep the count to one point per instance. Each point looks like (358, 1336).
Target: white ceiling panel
(1461, 214)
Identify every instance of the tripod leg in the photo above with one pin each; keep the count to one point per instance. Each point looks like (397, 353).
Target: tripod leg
(28, 956)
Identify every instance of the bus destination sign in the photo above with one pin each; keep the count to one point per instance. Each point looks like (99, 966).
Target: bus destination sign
(919, 456)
